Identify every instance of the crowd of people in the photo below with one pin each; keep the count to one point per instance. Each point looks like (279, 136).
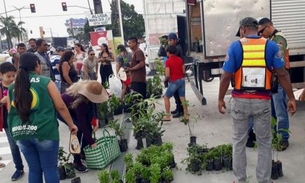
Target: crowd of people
(35, 85)
(37, 89)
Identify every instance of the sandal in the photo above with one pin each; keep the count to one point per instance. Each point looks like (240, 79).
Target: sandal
(2, 165)
(167, 117)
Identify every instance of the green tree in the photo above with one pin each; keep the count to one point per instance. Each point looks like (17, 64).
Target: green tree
(133, 23)
(11, 30)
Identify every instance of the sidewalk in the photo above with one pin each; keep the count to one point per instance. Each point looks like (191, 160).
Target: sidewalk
(212, 129)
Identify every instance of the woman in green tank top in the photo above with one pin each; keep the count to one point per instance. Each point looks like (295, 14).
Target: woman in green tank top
(32, 104)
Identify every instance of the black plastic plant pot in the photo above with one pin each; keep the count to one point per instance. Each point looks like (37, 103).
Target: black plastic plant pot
(157, 140)
(148, 142)
(139, 144)
(70, 172)
(123, 145)
(139, 135)
(145, 181)
(194, 165)
(280, 168)
(210, 165)
(118, 110)
(172, 163)
(61, 172)
(227, 162)
(193, 139)
(217, 164)
(138, 179)
(101, 123)
(274, 171)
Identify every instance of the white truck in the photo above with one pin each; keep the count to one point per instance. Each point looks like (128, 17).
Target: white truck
(212, 26)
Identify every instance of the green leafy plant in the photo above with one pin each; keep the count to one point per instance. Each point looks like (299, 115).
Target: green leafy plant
(63, 156)
(156, 175)
(116, 127)
(128, 160)
(104, 176)
(167, 174)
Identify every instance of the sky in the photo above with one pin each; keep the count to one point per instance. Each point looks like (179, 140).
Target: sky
(50, 16)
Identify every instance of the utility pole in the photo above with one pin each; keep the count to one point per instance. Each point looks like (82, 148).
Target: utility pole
(121, 21)
(7, 28)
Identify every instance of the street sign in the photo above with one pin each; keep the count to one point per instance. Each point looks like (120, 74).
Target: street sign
(99, 19)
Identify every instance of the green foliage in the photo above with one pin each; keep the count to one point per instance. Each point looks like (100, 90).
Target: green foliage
(105, 177)
(155, 175)
(11, 29)
(63, 156)
(116, 127)
(133, 23)
(151, 164)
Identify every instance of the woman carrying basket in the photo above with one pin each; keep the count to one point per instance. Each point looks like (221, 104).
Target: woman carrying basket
(81, 99)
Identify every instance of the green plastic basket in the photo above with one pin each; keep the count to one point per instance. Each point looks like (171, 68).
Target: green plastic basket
(107, 151)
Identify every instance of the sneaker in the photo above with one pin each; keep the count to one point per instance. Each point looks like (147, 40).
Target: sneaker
(174, 111)
(80, 167)
(250, 143)
(17, 175)
(284, 144)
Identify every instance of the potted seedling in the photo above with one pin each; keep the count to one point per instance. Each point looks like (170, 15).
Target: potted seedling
(167, 175)
(104, 176)
(155, 173)
(115, 106)
(194, 159)
(130, 176)
(128, 160)
(217, 164)
(115, 176)
(65, 168)
(119, 132)
(209, 161)
(102, 111)
(277, 167)
(191, 125)
(138, 168)
(145, 175)
(227, 156)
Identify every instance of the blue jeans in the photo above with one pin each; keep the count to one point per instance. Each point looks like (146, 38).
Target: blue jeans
(176, 86)
(41, 156)
(14, 150)
(279, 108)
(279, 112)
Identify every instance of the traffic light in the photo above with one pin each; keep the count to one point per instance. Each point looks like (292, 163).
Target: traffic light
(32, 7)
(64, 6)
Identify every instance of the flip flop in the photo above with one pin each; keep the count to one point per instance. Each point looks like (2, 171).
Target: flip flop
(166, 119)
(2, 165)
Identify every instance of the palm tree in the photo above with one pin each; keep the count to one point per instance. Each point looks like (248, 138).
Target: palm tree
(11, 29)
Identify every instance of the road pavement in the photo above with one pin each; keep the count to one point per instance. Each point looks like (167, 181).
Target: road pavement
(211, 129)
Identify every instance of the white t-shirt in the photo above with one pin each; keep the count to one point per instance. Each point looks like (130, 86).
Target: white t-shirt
(91, 65)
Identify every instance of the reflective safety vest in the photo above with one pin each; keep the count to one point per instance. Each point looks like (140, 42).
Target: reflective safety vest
(253, 73)
(286, 58)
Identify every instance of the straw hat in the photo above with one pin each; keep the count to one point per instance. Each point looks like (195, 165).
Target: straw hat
(94, 91)
(122, 74)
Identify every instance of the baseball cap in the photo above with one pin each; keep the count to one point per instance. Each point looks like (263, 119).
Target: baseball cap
(247, 22)
(59, 48)
(173, 36)
(263, 21)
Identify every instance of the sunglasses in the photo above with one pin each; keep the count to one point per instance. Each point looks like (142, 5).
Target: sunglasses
(261, 31)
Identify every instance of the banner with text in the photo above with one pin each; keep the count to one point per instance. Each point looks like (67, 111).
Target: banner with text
(99, 19)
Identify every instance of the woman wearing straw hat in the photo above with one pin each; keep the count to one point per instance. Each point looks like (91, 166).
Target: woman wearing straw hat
(81, 99)
(32, 104)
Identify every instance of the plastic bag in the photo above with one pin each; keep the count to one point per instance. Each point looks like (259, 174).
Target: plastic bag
(115, 86)
(147, 70)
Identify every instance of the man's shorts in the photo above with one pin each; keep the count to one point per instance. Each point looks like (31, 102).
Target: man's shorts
(178, 85)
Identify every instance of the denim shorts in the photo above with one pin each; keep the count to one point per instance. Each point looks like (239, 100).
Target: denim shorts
(176, 86)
